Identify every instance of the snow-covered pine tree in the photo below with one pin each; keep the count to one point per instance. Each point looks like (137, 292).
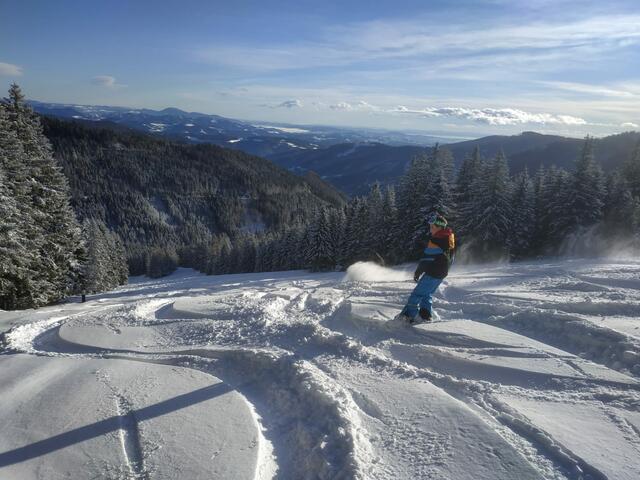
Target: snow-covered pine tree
(470, 171)
(586, 193)
(631, 171)
(409, 201)
(434, 193)
(556, 217)
(14, 273)
(489, 222)
(321, 253)
(336, 229)
(353, 235)
(96, 273)
(619, 207)
(539, 227)
(523, 219)
(31, 289)
(373, 240)
(389, 222)
(438, 193)
(55, 228)
(106, 263)
(119, 266)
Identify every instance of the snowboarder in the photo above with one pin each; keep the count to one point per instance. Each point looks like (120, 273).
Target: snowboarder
(432, 269)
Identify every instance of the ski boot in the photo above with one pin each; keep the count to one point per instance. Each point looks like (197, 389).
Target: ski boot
(424, 317)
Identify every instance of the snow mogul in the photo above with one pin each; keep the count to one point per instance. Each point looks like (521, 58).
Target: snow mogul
(431, 270)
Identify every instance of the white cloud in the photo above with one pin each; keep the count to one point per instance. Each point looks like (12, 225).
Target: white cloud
(494, 116)
(106, 81)
(630, 125)
(597, 90)
(10, 70)
(455, 46)
(360, 106)
(295, 103)
(341, 106)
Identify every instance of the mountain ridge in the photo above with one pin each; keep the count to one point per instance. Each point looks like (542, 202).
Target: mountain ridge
(263, 138)
(350, 159)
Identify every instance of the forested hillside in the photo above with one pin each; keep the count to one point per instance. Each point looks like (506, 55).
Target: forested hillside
(164, 198)
(496, 214)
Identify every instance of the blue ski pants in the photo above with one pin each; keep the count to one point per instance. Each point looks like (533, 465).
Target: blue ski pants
(421, 295)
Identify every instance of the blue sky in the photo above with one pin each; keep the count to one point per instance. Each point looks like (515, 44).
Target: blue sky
(570, 67)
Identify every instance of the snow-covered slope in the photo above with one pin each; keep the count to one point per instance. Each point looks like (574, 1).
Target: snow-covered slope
(531, 372)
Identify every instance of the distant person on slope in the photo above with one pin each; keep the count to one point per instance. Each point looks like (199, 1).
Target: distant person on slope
(432, 269)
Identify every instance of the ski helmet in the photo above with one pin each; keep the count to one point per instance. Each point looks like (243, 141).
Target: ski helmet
(436, 219)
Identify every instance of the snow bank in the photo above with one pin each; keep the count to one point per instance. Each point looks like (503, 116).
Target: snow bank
(372, 272)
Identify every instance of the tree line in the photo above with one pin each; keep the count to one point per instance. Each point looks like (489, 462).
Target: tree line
(496, 216)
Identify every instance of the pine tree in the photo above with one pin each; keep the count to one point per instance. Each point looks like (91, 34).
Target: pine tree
(105, 264)
(586, 193)
(489, 221)
(389, 226)
(523, 220)
(556, 217)
(28, 289)
(14, 273)
(631, 171)
(336, 232)
(56, 240)
(352, 240)
(410, 206)
(619, 211)
(438, 195)
(470, 172)
(539, 227)
(373, 238)
(321, 253)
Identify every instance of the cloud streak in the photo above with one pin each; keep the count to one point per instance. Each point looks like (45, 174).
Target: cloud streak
(412, 41)
(10, 70)
(360, 106)
(106, 81)
(591, 90)
(495, 116)
(294, 103)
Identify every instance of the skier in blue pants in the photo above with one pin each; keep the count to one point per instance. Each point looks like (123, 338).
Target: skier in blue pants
(420, 300)
(432, 269)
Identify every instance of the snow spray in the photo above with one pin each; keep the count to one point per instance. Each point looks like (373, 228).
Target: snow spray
(372, 272)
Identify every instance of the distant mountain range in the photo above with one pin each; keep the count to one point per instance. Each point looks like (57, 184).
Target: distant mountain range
(354, 167)
(350, 159)
(257, 138)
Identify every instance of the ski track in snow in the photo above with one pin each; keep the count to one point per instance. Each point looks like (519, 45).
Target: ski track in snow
(532, 370)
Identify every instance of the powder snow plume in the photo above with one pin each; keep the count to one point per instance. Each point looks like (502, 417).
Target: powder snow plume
(372, 272)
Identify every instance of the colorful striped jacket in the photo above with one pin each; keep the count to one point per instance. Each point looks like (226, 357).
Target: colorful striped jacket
(438, 255)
